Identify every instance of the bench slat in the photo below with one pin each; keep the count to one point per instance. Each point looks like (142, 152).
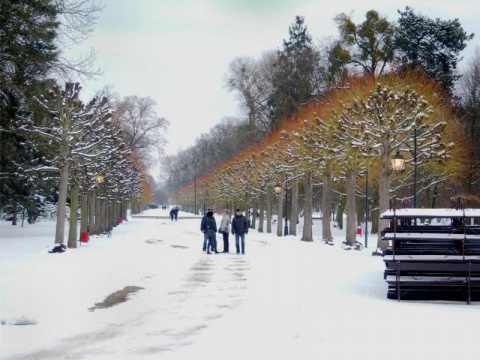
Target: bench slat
(429, 236)
(432, 266)
(431, 280)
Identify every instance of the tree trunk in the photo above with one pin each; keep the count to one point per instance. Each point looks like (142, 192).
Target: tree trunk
(351, 207)
(435, 194)
(14, 213)
(124, 206)
(73, 223)
(269, 212)
(340, 210)
(374, 216)
(384, 195)
(253, 224)
(307, 214)
(108, 215)
(326, 205)
(294, 208)
(83, 213)
(374, 209)
(62, 203)
(262, 214)
(99, 218)
(91, 213)
(280, 213)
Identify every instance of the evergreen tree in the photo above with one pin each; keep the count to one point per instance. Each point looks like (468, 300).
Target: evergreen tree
(431, 45)
(27, 40)
(27, 52)
(296, 76)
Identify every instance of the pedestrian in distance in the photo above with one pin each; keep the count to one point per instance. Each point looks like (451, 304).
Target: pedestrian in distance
(209, 227)
(239, 229)
(224, 229)
(174, 213)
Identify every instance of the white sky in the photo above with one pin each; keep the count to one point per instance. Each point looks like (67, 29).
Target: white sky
(177, 51)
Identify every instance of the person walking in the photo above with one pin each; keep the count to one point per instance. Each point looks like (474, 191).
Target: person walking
(174, 213)
(209, 227)
(224, 229)
(239, 229)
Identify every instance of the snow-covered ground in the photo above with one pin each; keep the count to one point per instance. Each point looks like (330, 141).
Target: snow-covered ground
(284, 299)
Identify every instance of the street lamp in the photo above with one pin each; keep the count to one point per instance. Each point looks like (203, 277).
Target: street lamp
(366, 209)
(398, 163)
(99, 179)
(278, 189)
(196, 213)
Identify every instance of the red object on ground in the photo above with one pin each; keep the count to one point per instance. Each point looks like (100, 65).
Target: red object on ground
(120, 219)
(84, 236)
(359, 230)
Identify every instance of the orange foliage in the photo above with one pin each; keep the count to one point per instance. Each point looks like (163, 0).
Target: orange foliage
(270, 156)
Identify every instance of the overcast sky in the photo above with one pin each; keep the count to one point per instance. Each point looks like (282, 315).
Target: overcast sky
(177, 51)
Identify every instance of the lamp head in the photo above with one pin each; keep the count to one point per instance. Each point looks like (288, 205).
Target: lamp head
(278, 188)
(398, 162)
(99, 178)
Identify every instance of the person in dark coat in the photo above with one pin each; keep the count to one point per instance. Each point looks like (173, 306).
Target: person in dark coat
(202, 226)
(209, 227)
(239, 229)
(174, 214)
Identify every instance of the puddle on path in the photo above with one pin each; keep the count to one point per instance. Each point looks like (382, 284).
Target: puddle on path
(179, 247)
(116, 298)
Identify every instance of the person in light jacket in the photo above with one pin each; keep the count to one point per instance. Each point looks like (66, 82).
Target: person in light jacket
(239, 229)
(224, 228)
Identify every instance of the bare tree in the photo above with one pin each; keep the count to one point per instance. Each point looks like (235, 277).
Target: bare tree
(469, 91)
(143, 128)
(248, 79)
(75, 130)
(369, 44)
(77, 20)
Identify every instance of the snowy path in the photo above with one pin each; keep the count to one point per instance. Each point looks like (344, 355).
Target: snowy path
(178, 301)
(180, 316)
(285, 299)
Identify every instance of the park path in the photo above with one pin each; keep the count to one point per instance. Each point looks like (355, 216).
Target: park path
(211, 289)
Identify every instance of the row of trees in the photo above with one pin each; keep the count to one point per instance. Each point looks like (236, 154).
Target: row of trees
(91, 155)
(333, 144)
(271, 89)
(283, 93)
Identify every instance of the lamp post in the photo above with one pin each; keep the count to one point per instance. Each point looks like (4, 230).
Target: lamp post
(278, 189)
(195, 181)
(398, 163)
(366, 209)
(99, 179)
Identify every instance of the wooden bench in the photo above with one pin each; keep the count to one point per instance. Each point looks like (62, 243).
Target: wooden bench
(424, 274)
(429, 243)
(432, 261)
